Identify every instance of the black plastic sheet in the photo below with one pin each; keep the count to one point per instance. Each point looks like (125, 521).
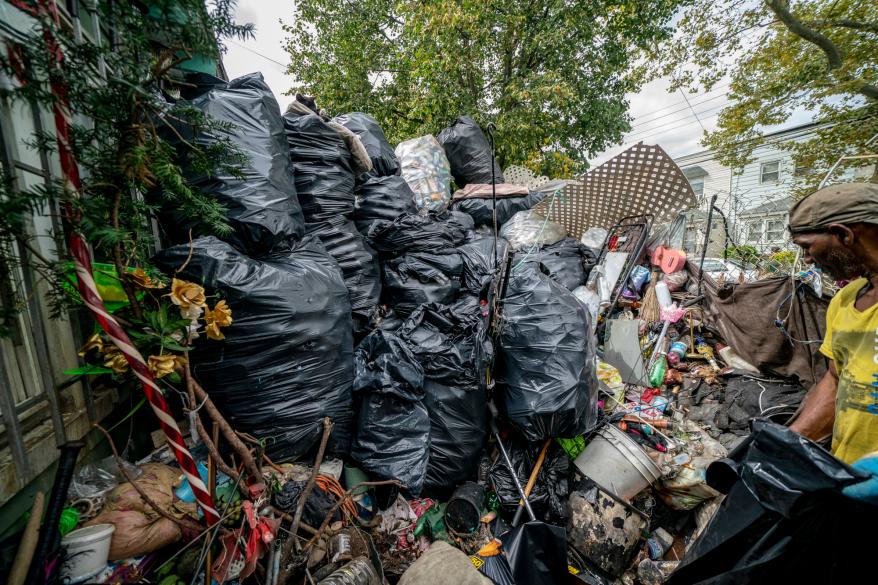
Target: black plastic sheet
(262, 206)
(546, 371)
(482, 210)
(384, 161)
(469, 153)
(393, 427)
(784, 518)
(357, 261)
(382, 198)
(287, 359)
(477, 255)
(420, 277)
(452, 346)
(537, 553)
(567, 261)
(549, 496)
(419, 233)
(322, 162)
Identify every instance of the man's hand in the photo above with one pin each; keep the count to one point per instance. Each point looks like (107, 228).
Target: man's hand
(866, 490)
(817, 413)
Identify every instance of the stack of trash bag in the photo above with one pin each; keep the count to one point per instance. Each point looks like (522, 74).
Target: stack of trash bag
(478, 263)
(451, 344)
(325, 181)
(469, 153)
(419, 260)
(546, 369)
(260, 198)
(382, 198)
(528, 229)
(482, 209)
(392, 438)
(287, 359)
(567, 261)
(425, 168)
(384, 160)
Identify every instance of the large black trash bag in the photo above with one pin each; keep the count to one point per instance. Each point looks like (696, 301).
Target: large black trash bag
(357, 261)
(784, 518)
(384, 161)
(393, 428)
(549, 496)
(323, 167)
(382, 198)
(325, 183)
(469, 153)
(263, 210)
(287, 359)
(482, 210)
(567, 261)
(546, 371)
(537, 553)
(418, 233)
(451, 344)
(477, 255)
(420, 277)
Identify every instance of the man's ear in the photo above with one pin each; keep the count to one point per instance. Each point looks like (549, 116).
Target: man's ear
(844, 234)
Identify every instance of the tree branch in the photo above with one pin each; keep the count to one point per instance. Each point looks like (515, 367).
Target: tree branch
(781, 9)
(845, 23)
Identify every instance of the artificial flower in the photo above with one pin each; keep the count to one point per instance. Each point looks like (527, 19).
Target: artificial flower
(162, 365)
(142, 279)
(187, 295)
(93, 342)
(115, 360)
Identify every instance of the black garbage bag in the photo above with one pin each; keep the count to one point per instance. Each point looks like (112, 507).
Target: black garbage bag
(421, 277)
(784, 518)
(261, 202)
(546, 371)
(418, 233)
(537, 553)
(482, 210)
(567, 261)
(393, 427)
(549, 496)
(382, 198)
(384, 161)
(452, 346)
(469, 153)
(477, 255)
(357, 261)
(316, 508)
(287, 359)
(323, 167)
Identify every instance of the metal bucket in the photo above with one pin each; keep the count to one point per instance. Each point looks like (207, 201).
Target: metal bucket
(617, 464)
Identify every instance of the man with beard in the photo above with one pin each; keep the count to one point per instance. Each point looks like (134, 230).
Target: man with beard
(837, 229)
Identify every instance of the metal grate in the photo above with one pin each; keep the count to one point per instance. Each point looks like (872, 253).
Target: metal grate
(641, 180)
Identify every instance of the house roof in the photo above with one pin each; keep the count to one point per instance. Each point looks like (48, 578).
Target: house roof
(776, 206)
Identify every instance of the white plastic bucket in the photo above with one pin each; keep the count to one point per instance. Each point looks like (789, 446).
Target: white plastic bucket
(617, 464)
(87, 550)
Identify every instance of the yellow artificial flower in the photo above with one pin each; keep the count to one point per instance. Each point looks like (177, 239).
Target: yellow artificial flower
(187, 294)
(213, 331)
(115, 360)
(142, 279)
(93, 342)
(219, 316)
(162, 365)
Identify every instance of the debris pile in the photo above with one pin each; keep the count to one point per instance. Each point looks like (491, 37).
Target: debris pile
(421, 399)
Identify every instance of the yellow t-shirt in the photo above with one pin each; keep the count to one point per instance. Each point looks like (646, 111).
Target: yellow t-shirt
(852, 341)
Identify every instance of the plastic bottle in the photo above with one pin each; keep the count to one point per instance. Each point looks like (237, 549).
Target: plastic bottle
(706, 352)
(677, 352)
(658, 371)
(663, 295)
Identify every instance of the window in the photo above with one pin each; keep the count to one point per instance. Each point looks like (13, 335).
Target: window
(774, 230)
(697, 185)
(770, 172)
(754, 231)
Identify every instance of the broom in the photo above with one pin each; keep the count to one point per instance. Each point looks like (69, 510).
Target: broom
(649, 307)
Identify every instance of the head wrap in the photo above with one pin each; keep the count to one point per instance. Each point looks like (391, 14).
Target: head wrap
(845, 203)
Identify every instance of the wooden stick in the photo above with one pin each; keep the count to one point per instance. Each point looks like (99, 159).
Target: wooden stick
(531, 481)
(339, 504)
(25, 552)
(211, 445)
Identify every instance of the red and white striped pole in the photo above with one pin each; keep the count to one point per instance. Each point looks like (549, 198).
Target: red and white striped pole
(89, 292)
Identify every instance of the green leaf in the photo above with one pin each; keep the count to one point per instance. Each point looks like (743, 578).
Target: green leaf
(88, 370)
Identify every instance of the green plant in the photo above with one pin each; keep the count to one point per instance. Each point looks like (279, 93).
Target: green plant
(746, 254)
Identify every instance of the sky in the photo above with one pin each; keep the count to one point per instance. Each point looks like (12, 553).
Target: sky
(675, 121)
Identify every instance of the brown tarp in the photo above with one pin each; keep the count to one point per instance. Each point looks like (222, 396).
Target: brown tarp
(745, 315)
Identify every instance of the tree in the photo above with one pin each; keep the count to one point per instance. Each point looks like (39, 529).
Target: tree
(552, 76)
(781, 56)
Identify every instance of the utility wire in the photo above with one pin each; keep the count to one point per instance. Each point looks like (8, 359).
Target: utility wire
(257, 53)
(692, 110)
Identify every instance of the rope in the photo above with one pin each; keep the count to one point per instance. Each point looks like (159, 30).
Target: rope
(89, 291)
(536, 245)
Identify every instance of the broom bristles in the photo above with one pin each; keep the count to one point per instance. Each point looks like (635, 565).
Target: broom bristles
(649, 308)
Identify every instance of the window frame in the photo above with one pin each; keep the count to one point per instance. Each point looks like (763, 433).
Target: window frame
(762, 172)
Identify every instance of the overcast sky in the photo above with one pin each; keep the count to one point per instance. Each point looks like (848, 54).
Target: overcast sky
(659, 117)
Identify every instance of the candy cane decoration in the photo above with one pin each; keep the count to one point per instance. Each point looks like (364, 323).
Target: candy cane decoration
(89, 292)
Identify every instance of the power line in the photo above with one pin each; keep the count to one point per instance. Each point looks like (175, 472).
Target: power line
(266, 57)
(683, 109)
(678, 102)
(693, 110)
(672, 124)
